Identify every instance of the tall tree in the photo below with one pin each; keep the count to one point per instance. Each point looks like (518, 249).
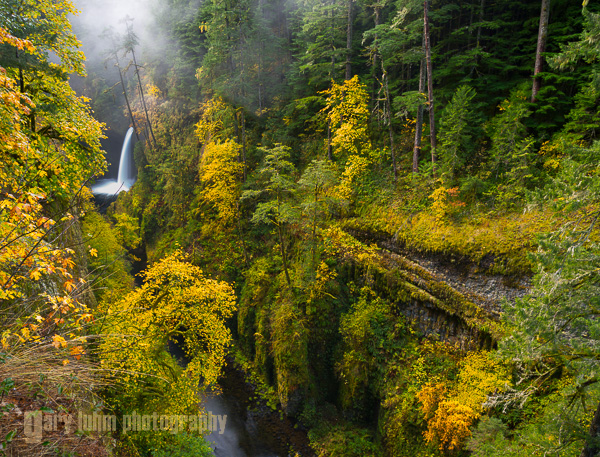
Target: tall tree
(458, 132)
(63, 135)
(131, 41)
(113, 54)
(419, 121)
(222, 174)
(349, 36)
(317, 179)
(554, 330)
(432, 132)
(541, 48)
(319, 46)
(377, 5)
(277, 211)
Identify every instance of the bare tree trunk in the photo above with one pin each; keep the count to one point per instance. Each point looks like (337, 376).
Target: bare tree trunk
(260, 63)
(432, 134)
(541, 48)
(137, 73)
(329, 148)
(592, 447)
(135, 129)
(481, 16)
(21, 76)
(419, 126)
(377, 13)
(244, 143)
(389, 120)
(349, 42)
(22, 90)
(478, 42)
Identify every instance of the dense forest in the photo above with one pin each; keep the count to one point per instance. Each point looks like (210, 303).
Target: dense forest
(379, 216)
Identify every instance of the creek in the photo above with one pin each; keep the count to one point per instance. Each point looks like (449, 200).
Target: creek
(252, 429)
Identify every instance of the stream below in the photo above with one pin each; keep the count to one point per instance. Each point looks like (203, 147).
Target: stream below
(252, 428)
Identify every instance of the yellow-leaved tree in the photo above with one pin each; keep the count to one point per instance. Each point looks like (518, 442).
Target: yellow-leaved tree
(221, 170)
(216, 117)
(176, 303)
(221, 173)
(49, 148)
(347, 111)
(452, 408)
(40, 291)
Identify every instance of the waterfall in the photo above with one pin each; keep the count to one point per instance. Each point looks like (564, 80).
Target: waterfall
(126, 176)
(126, 169)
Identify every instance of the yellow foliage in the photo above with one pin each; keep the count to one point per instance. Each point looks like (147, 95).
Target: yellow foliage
(221, 172)
(154, 91)
(324, 275)
(211, 124)
(77, 352)
(340, 244)
(355, 169)
(450, 425)
(430, 395)
(480, 374)
(176, 300)
(443, 203)
(58, 341)
(347, 109)
(6, 37)
(508, 238)
(451, 410)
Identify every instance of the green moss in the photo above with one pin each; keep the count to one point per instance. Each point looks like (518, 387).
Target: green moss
(447, 298)
(408, 282)
(264, 391)
(346, 440)
(109, 268)
(498, 244)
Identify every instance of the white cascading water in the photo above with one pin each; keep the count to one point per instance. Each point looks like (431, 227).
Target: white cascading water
(126, 176)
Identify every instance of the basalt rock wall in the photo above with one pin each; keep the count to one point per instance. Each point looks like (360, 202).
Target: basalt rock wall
(452, 299)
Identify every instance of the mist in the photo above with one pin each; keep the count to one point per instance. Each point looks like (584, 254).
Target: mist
(102, 84)
(98, 15)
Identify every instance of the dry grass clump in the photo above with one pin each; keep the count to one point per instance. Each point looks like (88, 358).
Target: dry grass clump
(40, 378)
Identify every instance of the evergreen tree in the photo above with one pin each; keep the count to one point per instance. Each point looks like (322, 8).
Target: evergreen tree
(584, 51)
(277, 210)
(554, 331)
(319, 45)
(511, 150)
(458, 132)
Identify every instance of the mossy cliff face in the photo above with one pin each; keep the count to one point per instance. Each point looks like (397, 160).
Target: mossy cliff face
(436, 296)
(494, 243)
(470, 277)
(451, 279)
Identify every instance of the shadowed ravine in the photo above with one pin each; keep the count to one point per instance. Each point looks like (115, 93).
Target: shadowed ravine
(252, 429)
(240, 436)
